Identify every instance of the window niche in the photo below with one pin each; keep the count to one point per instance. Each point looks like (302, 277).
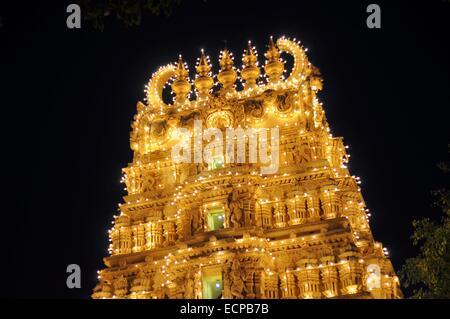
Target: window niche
(212, 283)
(215, 218)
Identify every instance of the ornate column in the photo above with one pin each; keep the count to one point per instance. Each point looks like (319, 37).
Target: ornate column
(269, 285)
(264, 215)
(258, 284)
(154, 235)
(114, 235)
(336, 152)
(279, 214)
(169, 232)
(183, 227)
(312, 201)
(297, 210)
(350, 273)
(330, 278)
(331, 204)
(125, 240)
(308, 279)
(288, 285)
(250, 281)
(138, 238)
(249, 211)
(121, 235)
(158, 233)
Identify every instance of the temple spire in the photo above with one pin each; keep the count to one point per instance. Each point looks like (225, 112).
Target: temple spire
(214, 204)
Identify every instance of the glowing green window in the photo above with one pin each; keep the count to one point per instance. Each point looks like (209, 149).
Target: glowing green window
(212, 283)
(216, 217)
(217, 162)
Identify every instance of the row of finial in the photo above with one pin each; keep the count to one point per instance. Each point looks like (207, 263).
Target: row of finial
(205, 81)
(227, 75)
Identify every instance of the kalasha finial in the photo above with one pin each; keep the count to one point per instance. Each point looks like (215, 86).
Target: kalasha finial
(227, 75)
(203, 82)
(250, 71)
(181, 72)
(226, 60)
(274, 67)
(181, 86)
(203, 68)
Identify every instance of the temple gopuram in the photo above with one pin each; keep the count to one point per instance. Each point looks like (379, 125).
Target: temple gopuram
(228, 229)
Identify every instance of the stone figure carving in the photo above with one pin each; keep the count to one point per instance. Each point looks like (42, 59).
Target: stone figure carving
(290, 155)
(197, 221)
(299, 154)
(236, 281)
(234, 209)
(304, 153)
(148, 184)
(197, 285)
(189, 288)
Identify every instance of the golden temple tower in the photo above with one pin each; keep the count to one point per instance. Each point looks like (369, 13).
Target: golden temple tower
(201, 224)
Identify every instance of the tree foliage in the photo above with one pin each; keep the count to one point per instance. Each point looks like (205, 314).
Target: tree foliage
(428, 274)
(129, 12)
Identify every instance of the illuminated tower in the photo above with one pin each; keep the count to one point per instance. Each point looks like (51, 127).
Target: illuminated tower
(226, 227)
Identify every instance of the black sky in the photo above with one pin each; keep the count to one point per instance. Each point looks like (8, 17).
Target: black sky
(68, 97)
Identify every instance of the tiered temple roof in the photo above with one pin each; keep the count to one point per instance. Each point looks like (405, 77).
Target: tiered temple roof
(226, 228)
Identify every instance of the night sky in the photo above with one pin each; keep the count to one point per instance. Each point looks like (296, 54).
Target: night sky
(68, 98)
